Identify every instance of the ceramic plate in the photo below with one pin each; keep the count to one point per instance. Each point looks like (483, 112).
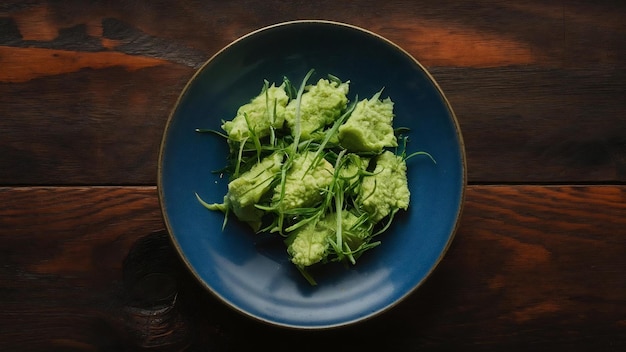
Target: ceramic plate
(251, 273)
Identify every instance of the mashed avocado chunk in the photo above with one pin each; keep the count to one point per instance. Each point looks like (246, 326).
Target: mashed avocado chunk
(387, 189)
(264, 111)
(246, 190)
(321, 104)
(310, 244)
(369, 128)
(304, 182)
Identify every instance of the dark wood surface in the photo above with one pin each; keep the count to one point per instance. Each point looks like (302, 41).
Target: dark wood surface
(539, 260)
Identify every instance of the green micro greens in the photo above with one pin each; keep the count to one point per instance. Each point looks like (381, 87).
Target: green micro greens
(298, 131)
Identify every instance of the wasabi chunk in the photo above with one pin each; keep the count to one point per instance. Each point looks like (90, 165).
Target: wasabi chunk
(264, 111)
(320, 105)
(246, 190)
(304, 183)
(369, 128)
(387, 190)
(310, 244)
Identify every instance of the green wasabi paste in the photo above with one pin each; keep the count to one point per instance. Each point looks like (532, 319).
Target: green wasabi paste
(321, 105)
(322, 171)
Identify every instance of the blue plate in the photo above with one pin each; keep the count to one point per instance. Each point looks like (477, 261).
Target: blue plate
(252, 273)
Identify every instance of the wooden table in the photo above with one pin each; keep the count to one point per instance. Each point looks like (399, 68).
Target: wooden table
(539, 260)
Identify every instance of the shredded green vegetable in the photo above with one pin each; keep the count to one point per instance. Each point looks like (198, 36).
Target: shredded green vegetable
(325, 173)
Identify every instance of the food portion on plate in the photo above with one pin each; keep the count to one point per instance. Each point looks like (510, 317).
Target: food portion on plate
(317, 166)
(310, 173)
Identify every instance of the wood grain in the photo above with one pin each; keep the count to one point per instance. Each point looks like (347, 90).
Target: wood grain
(86, 87)
(25, 63)
(531, 267)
